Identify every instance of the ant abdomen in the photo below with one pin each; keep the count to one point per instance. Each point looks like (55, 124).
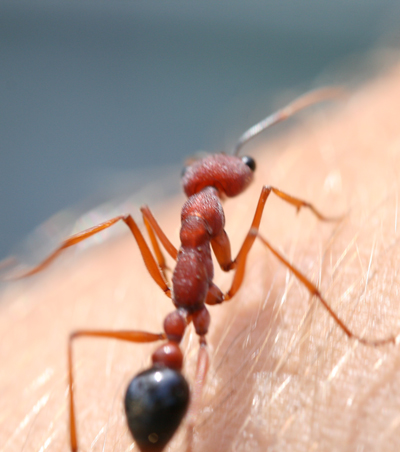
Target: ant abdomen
(155, 402)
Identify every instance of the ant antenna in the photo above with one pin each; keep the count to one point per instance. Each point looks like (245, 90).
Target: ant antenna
(298, 104)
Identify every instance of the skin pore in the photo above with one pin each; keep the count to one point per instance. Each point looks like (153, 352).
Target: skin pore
(283, 376)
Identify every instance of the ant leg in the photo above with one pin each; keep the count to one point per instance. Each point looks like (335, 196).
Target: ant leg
(222, 248)
(130, 336)
(154, 229)
(200, 379)
(239, 263)
(169, 247)
(148, 258)
(299, 203)
(315, 292)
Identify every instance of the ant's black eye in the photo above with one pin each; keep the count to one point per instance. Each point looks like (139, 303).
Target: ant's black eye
(249, 162)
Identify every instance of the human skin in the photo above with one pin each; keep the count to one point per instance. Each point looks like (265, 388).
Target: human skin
(283, 376)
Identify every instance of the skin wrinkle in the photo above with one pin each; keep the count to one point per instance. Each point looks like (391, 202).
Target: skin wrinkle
(283, 376)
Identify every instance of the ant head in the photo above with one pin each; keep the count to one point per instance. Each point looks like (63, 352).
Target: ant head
(229, 174)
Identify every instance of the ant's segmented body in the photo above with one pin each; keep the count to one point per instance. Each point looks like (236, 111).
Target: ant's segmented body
(158, 398)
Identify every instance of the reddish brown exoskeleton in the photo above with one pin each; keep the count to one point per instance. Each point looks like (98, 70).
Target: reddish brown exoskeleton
(158, 398)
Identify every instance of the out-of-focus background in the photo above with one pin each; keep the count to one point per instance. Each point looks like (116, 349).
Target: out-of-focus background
(94, 91)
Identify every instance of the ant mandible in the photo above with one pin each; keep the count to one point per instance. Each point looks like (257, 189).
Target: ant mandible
(158, 398)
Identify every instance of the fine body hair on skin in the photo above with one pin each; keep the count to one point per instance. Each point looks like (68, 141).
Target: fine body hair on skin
(283, 375)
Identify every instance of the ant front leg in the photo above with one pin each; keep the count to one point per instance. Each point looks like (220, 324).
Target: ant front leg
(221, 245)
(148, 258)
(130, 336)
(312, 288)
(153, 229)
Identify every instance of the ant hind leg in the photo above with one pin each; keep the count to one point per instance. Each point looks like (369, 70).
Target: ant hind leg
(129, 336)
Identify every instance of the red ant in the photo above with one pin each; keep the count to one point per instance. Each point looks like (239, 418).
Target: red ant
(157, 399)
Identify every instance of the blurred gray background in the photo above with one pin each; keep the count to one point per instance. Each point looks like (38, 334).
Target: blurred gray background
(90, 87)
